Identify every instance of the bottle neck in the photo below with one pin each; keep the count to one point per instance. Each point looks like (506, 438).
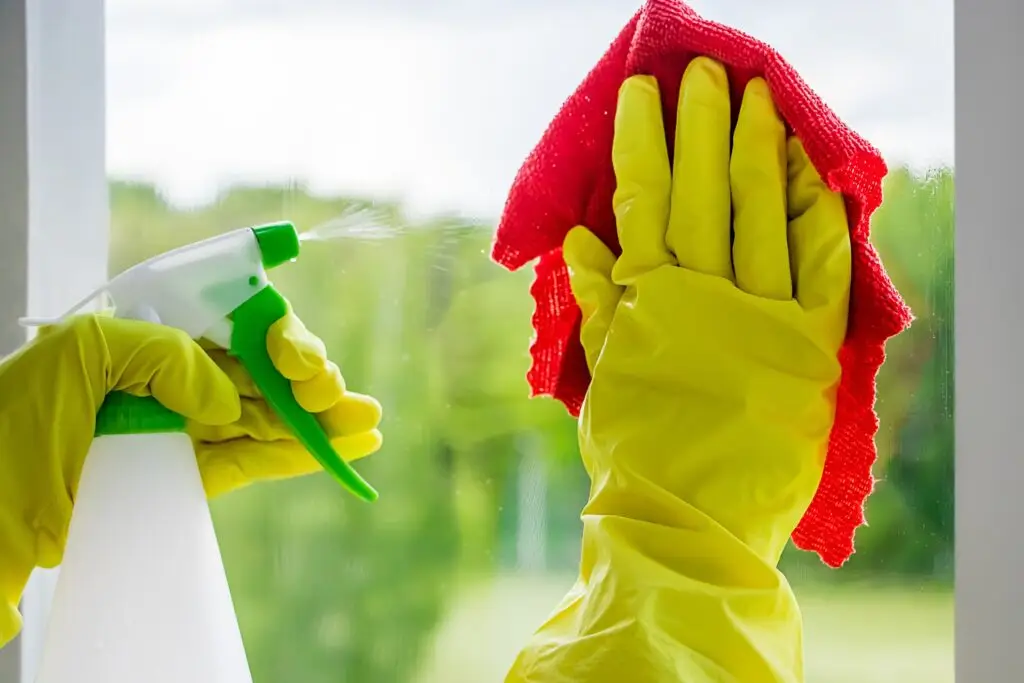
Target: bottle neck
(123, 413)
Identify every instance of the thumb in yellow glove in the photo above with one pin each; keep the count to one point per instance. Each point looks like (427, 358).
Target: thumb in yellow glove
(52, 388)
(712, 342)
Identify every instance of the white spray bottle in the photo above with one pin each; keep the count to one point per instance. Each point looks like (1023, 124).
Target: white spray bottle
(142, 595)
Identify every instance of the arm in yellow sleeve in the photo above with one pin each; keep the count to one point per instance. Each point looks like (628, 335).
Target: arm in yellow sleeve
(712, 342)
(51, 389)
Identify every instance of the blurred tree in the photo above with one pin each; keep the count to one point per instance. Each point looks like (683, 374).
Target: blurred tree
(918, 232)
(480, 359)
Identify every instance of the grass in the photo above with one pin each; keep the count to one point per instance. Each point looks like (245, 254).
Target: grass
(853, 634)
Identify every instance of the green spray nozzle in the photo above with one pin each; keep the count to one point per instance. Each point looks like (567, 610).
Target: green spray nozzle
(279, 243)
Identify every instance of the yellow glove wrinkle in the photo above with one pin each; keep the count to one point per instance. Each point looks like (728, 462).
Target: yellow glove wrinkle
(298, 354)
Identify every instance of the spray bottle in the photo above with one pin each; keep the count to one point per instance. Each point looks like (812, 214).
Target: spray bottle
(142, 594)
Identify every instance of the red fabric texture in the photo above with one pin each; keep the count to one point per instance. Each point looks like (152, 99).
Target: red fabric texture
(568, 180)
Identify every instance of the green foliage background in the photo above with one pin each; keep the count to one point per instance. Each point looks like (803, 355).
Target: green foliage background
(331, 590)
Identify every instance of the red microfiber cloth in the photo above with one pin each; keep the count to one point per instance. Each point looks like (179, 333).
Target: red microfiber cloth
(568, 180)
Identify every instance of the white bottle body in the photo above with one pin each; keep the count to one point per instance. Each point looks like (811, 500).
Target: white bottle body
(142, 594)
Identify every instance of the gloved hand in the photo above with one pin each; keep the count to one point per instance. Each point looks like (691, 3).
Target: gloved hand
(712, 342)
(52, 388)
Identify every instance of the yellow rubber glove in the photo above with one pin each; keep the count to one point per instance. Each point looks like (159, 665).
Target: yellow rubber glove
(51, 389)
(713, 345)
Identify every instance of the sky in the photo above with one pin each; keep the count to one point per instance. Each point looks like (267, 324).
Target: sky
(436, 103)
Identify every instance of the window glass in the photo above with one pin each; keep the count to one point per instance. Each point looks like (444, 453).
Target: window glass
(401, 124)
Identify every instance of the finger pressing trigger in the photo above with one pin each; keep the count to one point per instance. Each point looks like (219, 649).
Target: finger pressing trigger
(297, 353)
(320, 392)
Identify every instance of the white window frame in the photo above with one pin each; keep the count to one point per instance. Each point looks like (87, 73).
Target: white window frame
(54, 216)
(989, 341)
(54, 213)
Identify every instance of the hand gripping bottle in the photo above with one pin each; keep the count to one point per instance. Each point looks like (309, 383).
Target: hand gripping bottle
(142, 596)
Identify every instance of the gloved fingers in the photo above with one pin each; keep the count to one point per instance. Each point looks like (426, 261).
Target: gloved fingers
(354, 414)
(819, 238)
(590, 265)
(228, 466)
(149, 359)
(643, 180)
(297, 353)
(351, 415)
(232, 367)
(315, 394)
(700, 222)
(256, 422)
(758, 172)
(322, 391)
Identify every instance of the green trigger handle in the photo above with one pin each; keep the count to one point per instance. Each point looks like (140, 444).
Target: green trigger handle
(251, 321)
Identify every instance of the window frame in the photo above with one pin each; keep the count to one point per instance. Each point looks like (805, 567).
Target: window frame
(53, 190)
(55, 223)
(989, 368)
